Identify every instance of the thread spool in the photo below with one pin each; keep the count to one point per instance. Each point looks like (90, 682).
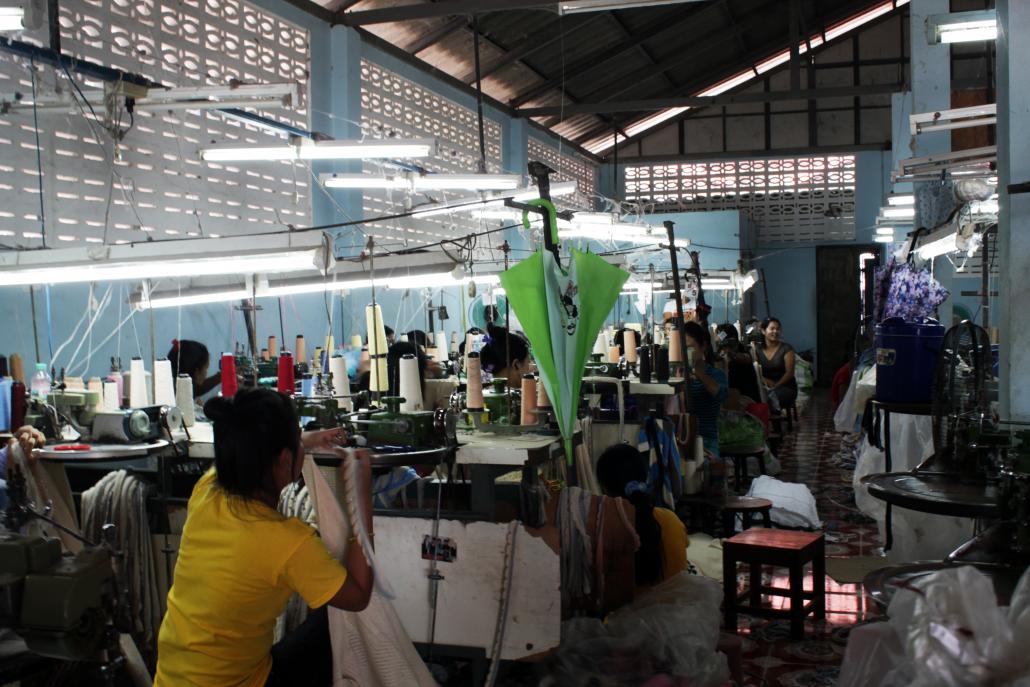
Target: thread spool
(184, 399)
(273, 348)
(316, 358)
(528, 414)
(17, 366)
(284, 381)
(661, 364)
(95, 384)
(341, 382)
(629, 345)
(377, 346)
(644, 353)
(600, 344)
(112, 399)
(675, 345)
(614, 354)
(138, 397)
(474, 389)
(300, 349)
(18, 404)
(410, 385)
(228, 375)
(265, 355)
(443, 349)
(542, 399)
(164, 386)
(307, 386)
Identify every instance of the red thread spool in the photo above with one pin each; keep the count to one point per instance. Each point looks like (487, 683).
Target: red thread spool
(228, 375)
(285, 383)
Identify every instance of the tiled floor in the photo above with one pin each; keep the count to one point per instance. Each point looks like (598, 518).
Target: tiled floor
(810, 455)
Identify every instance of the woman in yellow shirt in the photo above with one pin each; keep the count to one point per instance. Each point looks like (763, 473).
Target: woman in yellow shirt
(240, 560)
(622, 471)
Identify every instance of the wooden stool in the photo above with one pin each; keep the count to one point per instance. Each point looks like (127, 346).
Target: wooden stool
(747, 506)
(740, 464)
(783, 548)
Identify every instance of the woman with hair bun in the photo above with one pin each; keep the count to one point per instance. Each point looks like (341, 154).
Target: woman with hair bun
(506, 356)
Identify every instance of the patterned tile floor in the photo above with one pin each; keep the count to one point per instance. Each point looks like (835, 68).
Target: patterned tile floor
(811, 455)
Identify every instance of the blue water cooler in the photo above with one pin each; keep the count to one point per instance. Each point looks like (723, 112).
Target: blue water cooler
(906, 357)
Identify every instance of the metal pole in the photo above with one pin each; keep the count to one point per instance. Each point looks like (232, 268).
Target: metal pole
(479, 95)
(678, 293)
(985, 282)
(35, 327)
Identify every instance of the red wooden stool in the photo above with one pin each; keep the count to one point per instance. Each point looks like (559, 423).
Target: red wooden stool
(783, 548)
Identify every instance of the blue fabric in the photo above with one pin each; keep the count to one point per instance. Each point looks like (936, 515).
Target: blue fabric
(706, 407)
(3, 462)
(665, 478)
(5, 405)
(634, 487)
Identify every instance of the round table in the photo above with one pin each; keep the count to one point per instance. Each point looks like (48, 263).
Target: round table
(935, 493)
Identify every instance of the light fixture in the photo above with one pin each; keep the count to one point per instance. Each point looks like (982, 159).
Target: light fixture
(579, 6)
(433, 277)
(143, 301)
(12, 18)
(884, 238)
(962, 27)
(606, 226)
(895, 199)
(496, 201)
(885, 231)
(896, 212)
(425, 182)
(935, 247)
(323, 150)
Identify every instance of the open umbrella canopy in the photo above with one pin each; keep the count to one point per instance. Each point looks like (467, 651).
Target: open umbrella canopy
(561, 312)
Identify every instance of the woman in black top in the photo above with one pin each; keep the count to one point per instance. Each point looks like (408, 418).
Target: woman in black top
(777, 360)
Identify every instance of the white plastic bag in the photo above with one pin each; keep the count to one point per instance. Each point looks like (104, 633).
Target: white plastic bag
(947, 632)
(793, 504)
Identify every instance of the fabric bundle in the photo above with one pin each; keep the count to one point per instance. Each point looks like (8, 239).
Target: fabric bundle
(665, 479)
(120, 498)
(906, 291)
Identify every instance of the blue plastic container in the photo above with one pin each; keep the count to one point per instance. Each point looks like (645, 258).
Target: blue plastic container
(906, 357)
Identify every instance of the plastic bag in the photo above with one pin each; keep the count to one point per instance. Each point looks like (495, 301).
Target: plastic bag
(803, 375)
(793, 504)
(739, 432)
(670, 633)
(947, 631)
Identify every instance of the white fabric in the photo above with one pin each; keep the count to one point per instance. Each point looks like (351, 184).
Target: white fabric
(793, 504)
(917, 536)
(370, 648)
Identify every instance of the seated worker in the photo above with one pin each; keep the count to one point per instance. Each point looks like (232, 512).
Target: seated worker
(506, 356)
(622, 471)
(777, 359)
(192, 358)
(739, 366)
(29, 438)
(708, 386)
(240, 560)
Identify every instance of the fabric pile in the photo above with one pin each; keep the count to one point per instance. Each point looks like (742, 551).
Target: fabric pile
(120, 498)
(906, 291)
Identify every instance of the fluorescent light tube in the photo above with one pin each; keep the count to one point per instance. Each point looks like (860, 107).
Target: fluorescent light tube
(898, 212)
(192, 299)
(960, 27)
(323, 150)
(941, 246)
(425, 182)
(885, 231)
(12, 18)
(901, 199)
(884, 239)
(158, 269)
(495, 201)
(579, 6)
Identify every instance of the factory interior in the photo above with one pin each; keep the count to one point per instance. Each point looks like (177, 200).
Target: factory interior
(476, 343)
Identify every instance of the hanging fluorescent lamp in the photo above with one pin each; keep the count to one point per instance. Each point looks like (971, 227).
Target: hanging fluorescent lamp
(962, 27)
(938, 244)
(21, 16)
(12, 18)
(323, 150)
(895, 199)
(471, 205)
(606, 226)
(885, 231)
(884, 238)
(145, 300)
(580, 6)
(895, 212)
(424, 182)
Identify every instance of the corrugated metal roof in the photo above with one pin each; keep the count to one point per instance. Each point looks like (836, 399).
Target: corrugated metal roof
(536, 57)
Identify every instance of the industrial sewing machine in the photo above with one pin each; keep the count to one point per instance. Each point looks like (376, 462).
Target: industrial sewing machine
(68, 606)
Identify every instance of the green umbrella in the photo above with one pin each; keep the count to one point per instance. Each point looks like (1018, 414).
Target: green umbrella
(561, 312)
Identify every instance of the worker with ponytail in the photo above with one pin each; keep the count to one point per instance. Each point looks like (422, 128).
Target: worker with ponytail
(622, 472)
